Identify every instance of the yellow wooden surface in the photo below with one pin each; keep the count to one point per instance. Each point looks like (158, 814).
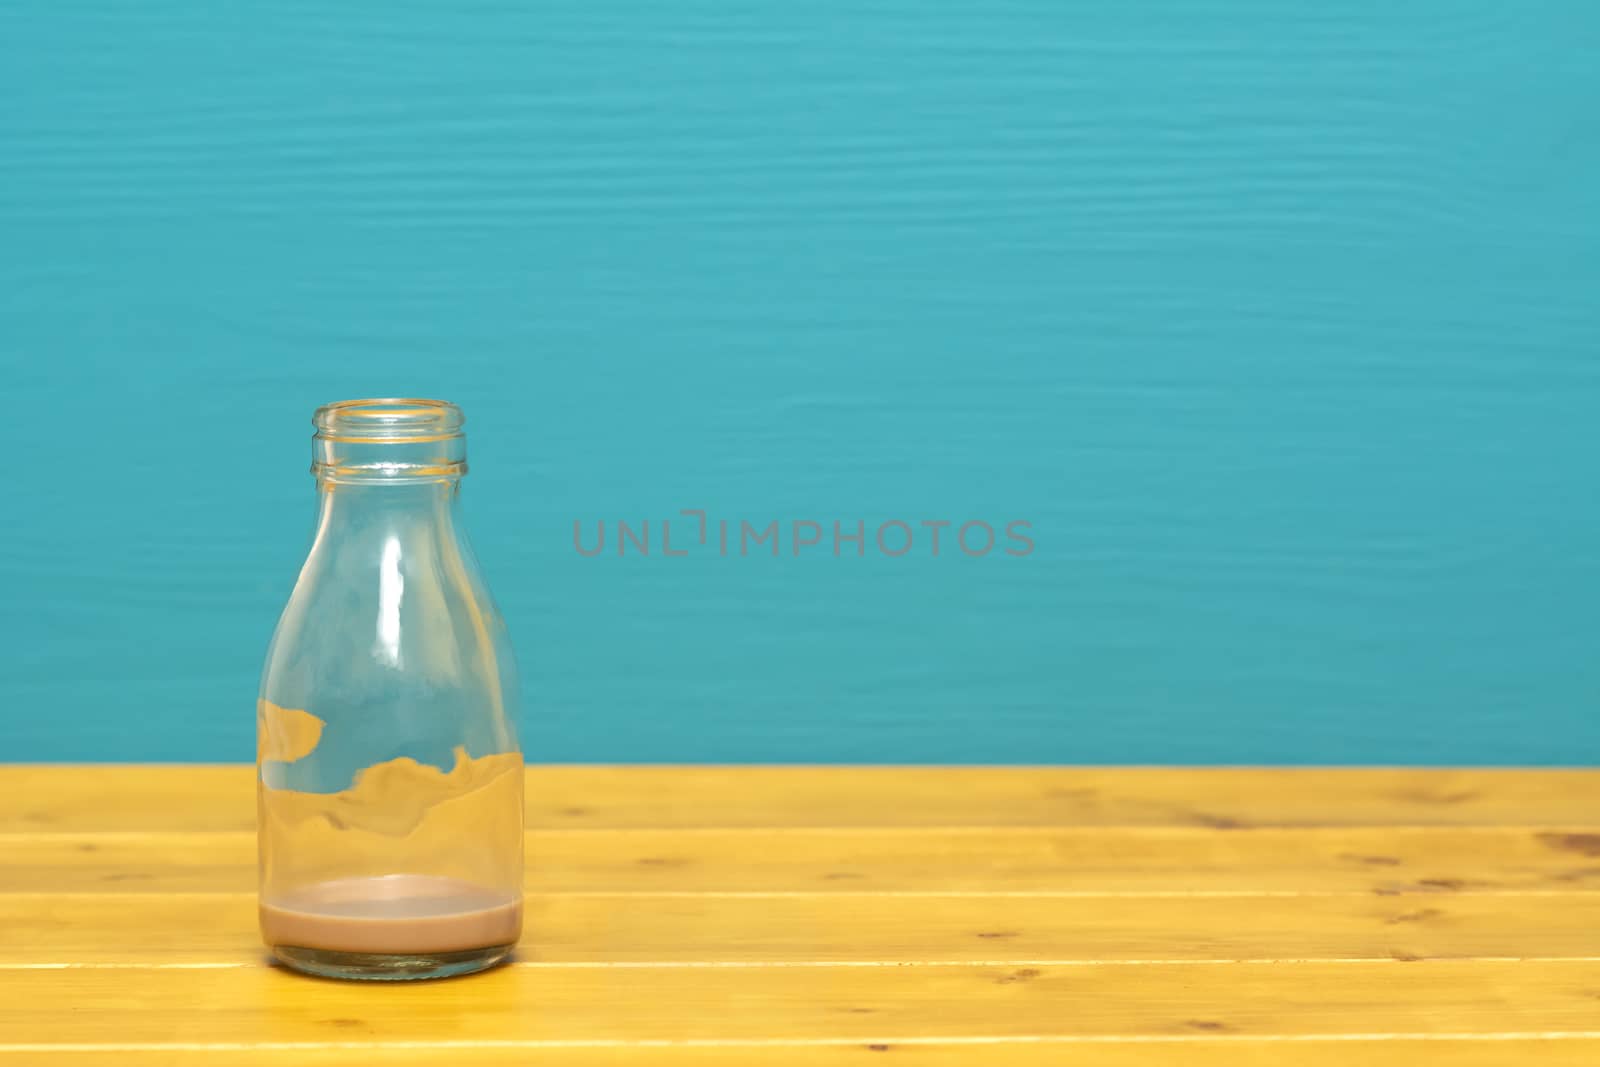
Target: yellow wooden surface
(796, 916)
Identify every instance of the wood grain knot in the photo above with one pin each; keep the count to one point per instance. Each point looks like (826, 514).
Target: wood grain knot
(1439, 797)
(1583, 844)
(1447, 885)
(1025, 974)
(1419, 916)
(1369, 861)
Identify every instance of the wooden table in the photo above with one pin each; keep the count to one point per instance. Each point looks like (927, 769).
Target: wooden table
(795, 916)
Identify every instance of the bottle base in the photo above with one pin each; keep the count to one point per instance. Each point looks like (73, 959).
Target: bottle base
(388, 967)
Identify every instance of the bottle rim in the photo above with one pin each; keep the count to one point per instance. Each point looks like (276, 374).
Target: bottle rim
(388, 420)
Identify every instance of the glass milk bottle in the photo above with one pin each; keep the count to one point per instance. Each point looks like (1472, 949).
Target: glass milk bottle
(390, 781)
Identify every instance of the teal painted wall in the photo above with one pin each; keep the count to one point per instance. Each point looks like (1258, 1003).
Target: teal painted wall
(1280, 323)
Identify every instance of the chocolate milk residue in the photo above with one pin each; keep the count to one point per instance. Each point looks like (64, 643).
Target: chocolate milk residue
(410, 859)
(402, 913)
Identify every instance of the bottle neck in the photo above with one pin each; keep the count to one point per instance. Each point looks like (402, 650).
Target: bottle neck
(388, 471)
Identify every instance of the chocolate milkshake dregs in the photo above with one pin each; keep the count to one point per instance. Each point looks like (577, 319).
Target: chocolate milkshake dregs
(390, 780)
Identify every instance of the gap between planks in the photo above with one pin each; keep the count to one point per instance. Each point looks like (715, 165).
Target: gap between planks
(1549, 1049)
(800, 1042)
(956, 830)
(908, 894)
(655, 965)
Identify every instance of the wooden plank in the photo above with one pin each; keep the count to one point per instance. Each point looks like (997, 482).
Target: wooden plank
(621, 1005)
(1094, 860)
(698, 930)
(1198, 1051)
(126, 797)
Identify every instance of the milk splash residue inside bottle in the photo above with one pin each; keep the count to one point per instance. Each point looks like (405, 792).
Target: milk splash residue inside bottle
(341, 851)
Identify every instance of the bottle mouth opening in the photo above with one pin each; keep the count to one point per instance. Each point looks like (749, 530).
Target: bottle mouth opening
(388, 420)
(388, 439)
